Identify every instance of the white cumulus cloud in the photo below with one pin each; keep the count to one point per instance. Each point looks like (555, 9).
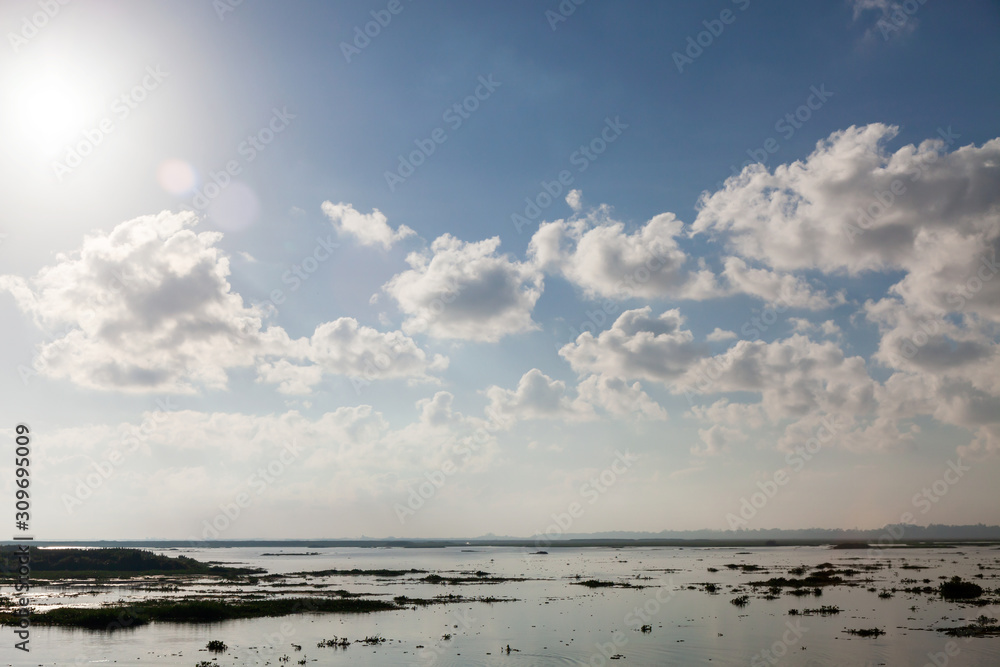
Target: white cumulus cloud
(366, 228)
(638, 345)
(148, 308)
(466, 291)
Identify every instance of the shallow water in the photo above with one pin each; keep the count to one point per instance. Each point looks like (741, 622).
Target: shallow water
(554, 622)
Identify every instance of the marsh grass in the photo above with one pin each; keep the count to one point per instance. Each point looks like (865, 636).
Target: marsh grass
(196, 611)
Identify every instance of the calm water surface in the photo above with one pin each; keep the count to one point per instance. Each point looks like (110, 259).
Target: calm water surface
(553, 621)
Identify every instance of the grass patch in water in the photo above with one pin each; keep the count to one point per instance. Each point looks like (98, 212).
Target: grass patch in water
(111, 617)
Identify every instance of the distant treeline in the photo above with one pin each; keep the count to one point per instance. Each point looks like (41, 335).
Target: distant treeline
(901, 533)
(110, 562)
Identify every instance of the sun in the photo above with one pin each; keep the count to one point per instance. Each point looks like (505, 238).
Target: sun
(49, 106)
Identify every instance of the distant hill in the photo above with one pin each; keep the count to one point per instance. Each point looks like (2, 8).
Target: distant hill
(888, 534)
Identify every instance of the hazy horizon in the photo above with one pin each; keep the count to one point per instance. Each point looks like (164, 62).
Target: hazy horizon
(890, 534)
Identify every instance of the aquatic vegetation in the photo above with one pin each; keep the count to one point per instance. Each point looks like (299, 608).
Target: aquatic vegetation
(972, 631)
(821, 577)
(597, 583)
(745, 567)
(449, 598)
(984, 626)
(355, 573)
(740, 601)
(956, 589)
(336, 642)
(217, 646)
(479, 578)
(866, 632)
(825, 610)
(108, 617)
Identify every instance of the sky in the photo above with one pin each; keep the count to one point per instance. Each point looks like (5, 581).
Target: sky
(413, 269)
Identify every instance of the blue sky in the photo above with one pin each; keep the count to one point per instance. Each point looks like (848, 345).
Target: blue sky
(567, 273)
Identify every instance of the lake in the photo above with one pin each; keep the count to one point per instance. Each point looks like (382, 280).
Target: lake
(552, 620)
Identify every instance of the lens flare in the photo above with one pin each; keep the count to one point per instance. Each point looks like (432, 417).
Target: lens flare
(176, 176)
(236, 208)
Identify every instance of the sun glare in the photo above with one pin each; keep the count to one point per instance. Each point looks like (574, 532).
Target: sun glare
(51, 106)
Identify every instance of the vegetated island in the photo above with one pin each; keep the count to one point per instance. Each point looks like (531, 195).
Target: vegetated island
(111, 563)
